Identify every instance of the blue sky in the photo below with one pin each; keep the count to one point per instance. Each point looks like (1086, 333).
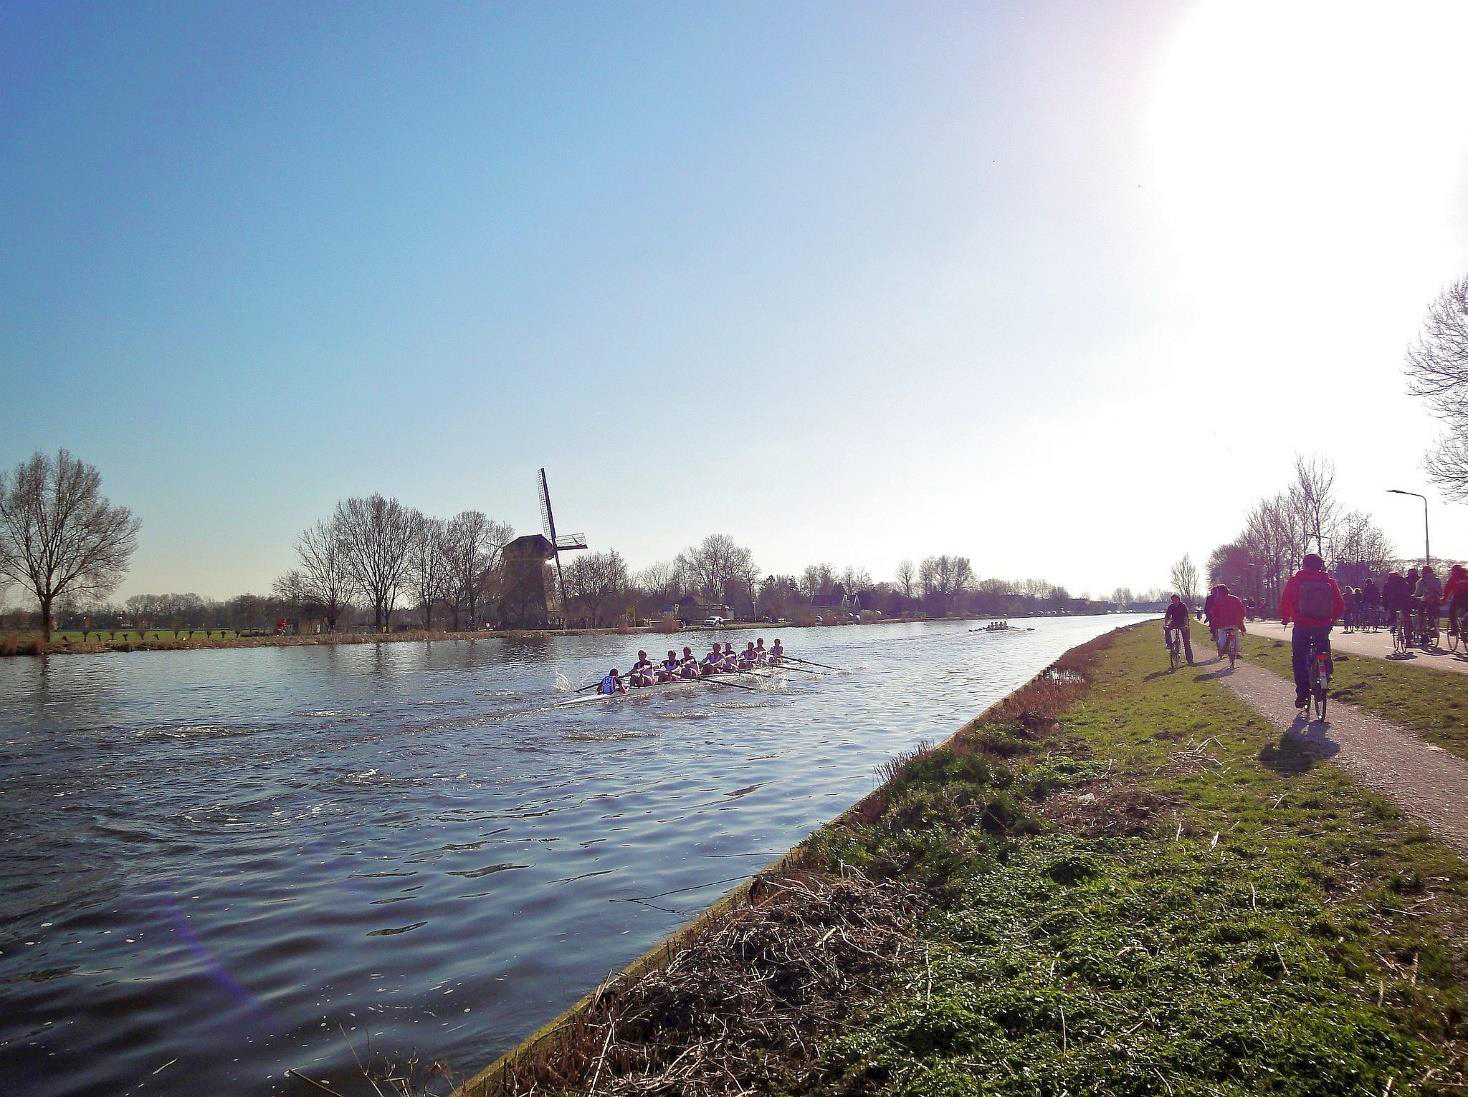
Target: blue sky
(848, 282)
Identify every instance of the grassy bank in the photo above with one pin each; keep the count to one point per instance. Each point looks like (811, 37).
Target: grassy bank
(1430, 702)
(1119, 881)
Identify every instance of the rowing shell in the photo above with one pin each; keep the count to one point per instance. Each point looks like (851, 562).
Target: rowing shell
(742, 677)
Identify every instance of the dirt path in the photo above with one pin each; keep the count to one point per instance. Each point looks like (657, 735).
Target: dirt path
(1376, 644)
(1426, 782)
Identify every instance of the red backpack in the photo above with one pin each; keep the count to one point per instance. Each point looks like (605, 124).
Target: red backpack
(1314, 598)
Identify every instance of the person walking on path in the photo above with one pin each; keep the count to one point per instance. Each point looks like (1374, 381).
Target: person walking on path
(1313, 602)
(1177, 617)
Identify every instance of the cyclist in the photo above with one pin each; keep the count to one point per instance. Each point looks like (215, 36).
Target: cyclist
(1313, 602)
(1430, 593)
(1370, 603)
(1456, 596)
(1414, 606)
(1208, 611)
(1177, 617)
(1228, 619)
(1394, 600)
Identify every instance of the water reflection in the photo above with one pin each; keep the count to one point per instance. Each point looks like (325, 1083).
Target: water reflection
(224, 864)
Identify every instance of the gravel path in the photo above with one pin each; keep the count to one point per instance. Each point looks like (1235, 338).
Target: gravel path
(1425, 781)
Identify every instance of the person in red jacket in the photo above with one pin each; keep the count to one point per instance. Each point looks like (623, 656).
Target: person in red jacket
(1455, 594)
(1226, 615)
(1313, 602)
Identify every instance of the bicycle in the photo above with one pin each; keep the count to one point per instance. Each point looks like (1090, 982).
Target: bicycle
(1430, 626)
(1174, 647)
(1401, 632)
(1229, 645)
(1319, 682)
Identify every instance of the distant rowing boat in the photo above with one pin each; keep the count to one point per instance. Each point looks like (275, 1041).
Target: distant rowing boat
(744, 678)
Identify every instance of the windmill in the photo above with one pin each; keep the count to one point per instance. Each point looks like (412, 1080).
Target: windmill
(566, 542)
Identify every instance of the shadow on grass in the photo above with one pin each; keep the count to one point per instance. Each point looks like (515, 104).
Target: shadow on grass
(1303, 744)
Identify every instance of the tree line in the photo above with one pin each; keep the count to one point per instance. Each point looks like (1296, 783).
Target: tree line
(1307, 516)
(374, 558)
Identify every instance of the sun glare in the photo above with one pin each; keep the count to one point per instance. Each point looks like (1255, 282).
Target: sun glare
(1284, 135)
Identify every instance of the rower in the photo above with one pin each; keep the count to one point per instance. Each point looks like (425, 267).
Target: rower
(731, 663)
(642, 674)
(777, 652)
(748, 656)
(611, 684)
(669, 667)
(688, 668)
(713, 662)
(760, 653)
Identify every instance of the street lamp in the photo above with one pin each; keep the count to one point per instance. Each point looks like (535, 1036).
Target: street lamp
(1426, 538)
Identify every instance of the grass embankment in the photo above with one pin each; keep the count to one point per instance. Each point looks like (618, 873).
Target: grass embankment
(1432, 703)
(1151, 894)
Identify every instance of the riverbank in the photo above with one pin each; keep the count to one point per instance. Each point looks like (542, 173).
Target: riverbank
(98, 641)
(1116, 875)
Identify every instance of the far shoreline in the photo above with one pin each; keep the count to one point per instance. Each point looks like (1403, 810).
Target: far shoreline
(28, 643)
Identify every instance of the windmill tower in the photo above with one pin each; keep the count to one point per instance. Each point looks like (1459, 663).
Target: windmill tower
(566, 542)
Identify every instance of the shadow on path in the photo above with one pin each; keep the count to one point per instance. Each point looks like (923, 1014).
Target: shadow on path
(1303, 744)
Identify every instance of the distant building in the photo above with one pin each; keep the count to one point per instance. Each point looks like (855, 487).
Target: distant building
(690, 610)
(837, 601)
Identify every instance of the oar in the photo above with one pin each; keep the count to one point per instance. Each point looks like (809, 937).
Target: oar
(808, 662)
(802, 670)
(733, 685)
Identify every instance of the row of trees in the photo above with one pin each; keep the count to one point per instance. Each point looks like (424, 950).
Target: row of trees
(381, 551)
(1280, 529)
(68, 547)
(1437, 371)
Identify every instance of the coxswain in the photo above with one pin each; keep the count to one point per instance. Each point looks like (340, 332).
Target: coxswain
(642, 670)
(669, 667)
(611, 684)
(688, 668)
(777, 652)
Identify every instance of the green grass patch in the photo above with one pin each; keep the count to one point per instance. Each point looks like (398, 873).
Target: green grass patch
(1433, 703)
(1268, 929)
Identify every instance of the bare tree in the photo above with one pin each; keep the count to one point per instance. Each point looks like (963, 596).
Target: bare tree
(1437, 371)
(595, 580)
(1184, 577)
(472, 546)
(59, 535)
(944, 578)
(1313, 499)
(855, 579)
(907, 578)
(715, 561)
(324, 578)
(817, 579)
(428, 565)
(376, 534)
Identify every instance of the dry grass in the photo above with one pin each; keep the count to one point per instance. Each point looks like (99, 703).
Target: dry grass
(740, 1007)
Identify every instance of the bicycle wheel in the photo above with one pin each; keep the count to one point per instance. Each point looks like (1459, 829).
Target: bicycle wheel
(1453, 639)
(1399, 639)
(1172, 655)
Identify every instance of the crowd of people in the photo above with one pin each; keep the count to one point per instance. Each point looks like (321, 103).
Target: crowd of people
(689, 667)
(1314, 602)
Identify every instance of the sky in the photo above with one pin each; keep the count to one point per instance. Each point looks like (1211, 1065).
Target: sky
(1061, 287)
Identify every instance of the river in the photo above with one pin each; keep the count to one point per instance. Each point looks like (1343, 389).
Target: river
(222, 864)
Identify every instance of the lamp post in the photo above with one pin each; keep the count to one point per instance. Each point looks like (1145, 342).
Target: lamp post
(1426, 537)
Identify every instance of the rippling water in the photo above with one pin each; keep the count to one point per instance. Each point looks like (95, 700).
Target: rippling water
(223, 864)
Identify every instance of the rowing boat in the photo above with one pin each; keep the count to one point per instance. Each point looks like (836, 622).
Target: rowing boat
(745, 678)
